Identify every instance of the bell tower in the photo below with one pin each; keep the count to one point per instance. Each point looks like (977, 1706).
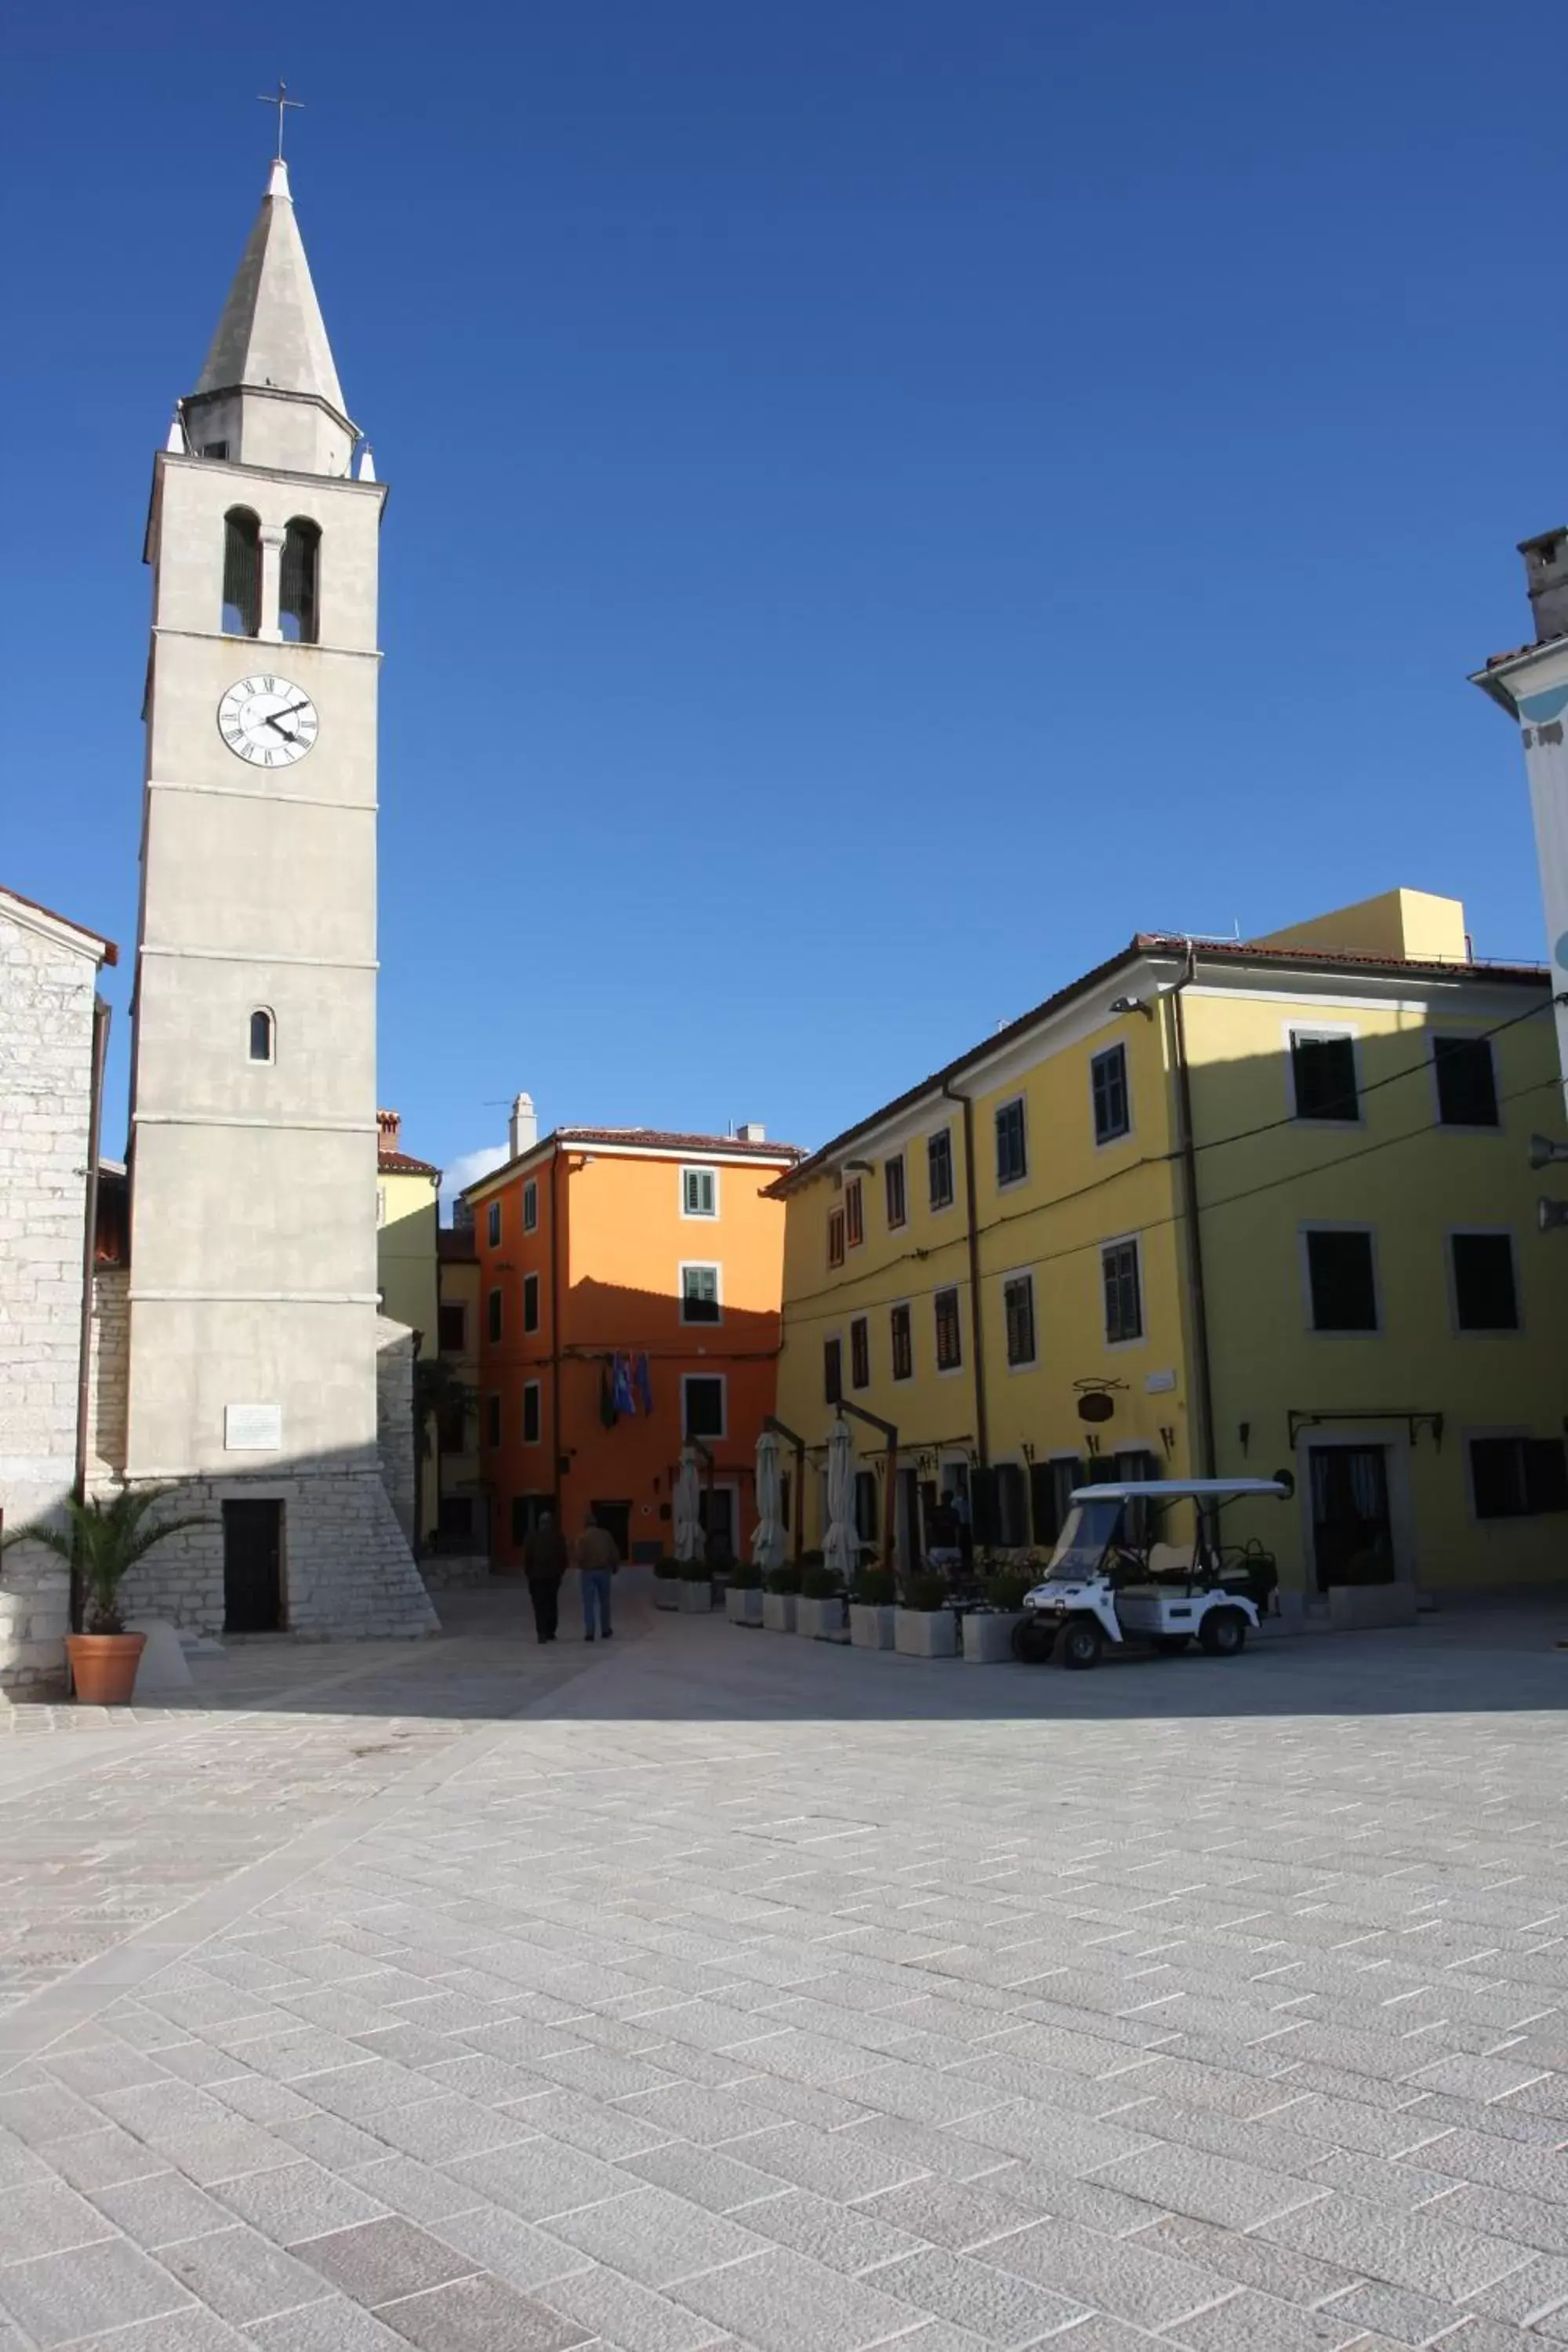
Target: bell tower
(253, 1345)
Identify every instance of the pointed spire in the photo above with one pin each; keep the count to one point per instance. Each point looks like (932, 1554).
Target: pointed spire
(177, 445)
(272, 332)
(366, 464)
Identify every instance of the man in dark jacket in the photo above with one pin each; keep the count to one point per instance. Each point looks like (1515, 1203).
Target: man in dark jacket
(545, 1563)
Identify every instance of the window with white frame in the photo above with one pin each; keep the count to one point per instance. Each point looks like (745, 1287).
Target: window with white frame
(698, 1192)
(530, 1207)
(1012, 1143)
(1122, 1284)
(1517, 1477)
(530, 1302)
(492, 1223)
(939, 1169)
(702, 1404)
(263, 1035)
(700, 1301)
(1108, 1085)
(531, 1413)
(1018, 1315)
(854, 1213)
(1486, 1293)
(1467, 1081)
(893, 1191)
(949, 1331)
(1323, 1076)
(1341, 1278)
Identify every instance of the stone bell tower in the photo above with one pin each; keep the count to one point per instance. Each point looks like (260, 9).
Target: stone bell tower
(253, 1342)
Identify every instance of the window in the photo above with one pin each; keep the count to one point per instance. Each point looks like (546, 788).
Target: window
(866, 1506)
(949, 1337)
(1018, 1312)
(902, 1340)
(297, 581)
(1466, 1082)
(494, 1311)
(893, 1183)
(853, 1212)
(452, 1427)
(263, 1035)
(1108, 1080)
(530, 1302)
(1051, 1485)
(832, 1371)
(531, 1413)
(702, 1404)
(700, 1294)
(1012, 1149)
(492, 1223)
(381, 1217)
(836, 1237)
(939, 1169)
(1515, 1477)
(241, 573)
(457, 1518)
(1011, 1504)
(860, 1353)
(1486, 1297)
(492, 1420)
(1342, 1281)
(699, 1192)
(453, 1329)
(1123, 1292)
(1323, 1072)
(213, 450)
(531, 1207)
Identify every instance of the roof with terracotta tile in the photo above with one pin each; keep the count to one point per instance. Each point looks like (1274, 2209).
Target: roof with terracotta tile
(456, 1245)
(398, 1163)
(651, 1139)
(110, 953)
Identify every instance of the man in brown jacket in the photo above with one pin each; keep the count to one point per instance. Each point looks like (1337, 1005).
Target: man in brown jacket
(597, 1561)
(544, 1562)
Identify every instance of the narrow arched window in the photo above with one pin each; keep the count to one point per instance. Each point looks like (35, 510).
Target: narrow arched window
(241, 573)
(297, 588)
(263, 1035)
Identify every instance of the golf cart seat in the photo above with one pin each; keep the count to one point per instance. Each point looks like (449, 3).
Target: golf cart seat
(1253, 1572)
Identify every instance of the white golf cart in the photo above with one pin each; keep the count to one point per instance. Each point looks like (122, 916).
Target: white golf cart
(1110, 1580)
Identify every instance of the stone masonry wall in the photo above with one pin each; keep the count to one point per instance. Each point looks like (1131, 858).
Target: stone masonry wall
(394, 1417)
(46, 1082)
(107, 1393)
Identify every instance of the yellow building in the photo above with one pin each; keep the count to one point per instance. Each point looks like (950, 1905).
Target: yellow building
(463, 1493)
(406, 1216)
(1005, 1261)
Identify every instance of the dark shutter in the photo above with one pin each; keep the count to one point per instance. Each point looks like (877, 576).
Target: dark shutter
(1344, 1295)
(1045, 1519)
(1467, 1081)
(832, 1371)
(1325, 1077)
(1484, 1294)
(1545, 1475)
(984, 1514)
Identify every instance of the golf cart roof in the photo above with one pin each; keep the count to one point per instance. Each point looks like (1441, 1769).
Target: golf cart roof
(1167, 1490)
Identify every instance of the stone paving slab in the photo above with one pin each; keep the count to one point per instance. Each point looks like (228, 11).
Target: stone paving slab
(731, 1993)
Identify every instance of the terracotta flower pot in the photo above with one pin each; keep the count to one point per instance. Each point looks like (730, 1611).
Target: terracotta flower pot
(103, 1666)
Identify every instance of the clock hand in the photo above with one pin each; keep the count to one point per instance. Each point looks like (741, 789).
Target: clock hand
(287, 734)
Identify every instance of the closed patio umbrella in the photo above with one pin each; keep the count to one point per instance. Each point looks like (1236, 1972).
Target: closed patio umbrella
(689, 1541)
(768, 1542)
(841, 1545)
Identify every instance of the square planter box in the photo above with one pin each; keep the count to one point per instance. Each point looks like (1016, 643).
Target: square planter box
(666, 1592)
(744, 1608)
(820, 1621)
(871, 1628)
(988, 1635)
(696, 1600)
(925, 1633)
(778, 1611)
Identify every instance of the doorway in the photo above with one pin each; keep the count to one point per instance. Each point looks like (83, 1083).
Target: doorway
(718, 1518)
(616, 1518)
(907, 1541)
(253, 1568)
(1353, 1527)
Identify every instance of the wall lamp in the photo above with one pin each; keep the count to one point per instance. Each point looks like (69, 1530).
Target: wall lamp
(1132, 1004)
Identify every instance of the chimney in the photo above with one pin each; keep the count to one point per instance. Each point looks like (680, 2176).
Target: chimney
(523, 1132)
(388, 1124)
(751, 1130)
(1546, 571)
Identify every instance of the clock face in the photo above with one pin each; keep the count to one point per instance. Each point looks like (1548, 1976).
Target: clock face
(268, 721)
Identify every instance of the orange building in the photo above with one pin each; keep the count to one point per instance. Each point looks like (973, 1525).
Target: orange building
(629, 1291)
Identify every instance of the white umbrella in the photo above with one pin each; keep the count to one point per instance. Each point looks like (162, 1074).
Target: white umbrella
(768, 1542)
(689, 1541)
(841, 1546)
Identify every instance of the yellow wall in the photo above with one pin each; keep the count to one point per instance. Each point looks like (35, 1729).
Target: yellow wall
(1405, 924)
(406, 1268)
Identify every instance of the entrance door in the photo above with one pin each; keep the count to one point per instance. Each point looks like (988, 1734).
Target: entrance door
(616, 1518)
(253, 1568)
(1352, 1533)
(716, 1515)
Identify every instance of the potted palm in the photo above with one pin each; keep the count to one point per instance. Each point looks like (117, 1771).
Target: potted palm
(667, 1583)
(872, 1609)
(696, 1587)
(103, 1540)
(743, 1594)
(779, 1597)
(924, 1624)
(819, 1614)
(988, 1630)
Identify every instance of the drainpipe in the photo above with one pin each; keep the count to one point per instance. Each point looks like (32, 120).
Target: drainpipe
(1197, 1293)
(88, 1260)
(556, 1448)
(981, 1423)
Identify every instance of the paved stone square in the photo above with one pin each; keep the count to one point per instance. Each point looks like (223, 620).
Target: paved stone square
(720, 1988)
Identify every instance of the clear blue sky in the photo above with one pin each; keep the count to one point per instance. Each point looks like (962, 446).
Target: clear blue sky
(887, 500)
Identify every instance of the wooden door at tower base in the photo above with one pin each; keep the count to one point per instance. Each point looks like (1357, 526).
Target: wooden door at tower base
(252, 1568)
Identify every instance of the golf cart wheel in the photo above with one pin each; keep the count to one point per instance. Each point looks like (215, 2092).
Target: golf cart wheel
(1079, 1643)
(1031, 1642)
(1223, 1633)
(1171, 1645)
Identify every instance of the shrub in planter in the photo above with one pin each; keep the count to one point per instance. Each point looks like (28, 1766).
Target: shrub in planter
(667, 1583)
(925, 1592)
(696, 1587)
(745, 1577)
(820, 1614)
(104, 1540)
(811, 1558)
(1005, 1588)
(779, 1601)
(876, 1588)
(784, 1579)
(820, 1583)
(924, 1625)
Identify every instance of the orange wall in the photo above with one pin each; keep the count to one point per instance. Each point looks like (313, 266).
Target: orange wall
(623, 1241)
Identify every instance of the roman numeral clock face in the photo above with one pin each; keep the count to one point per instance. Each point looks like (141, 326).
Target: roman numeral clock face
(267, 721)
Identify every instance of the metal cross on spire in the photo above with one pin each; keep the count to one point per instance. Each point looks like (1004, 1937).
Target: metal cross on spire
(281, 100)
